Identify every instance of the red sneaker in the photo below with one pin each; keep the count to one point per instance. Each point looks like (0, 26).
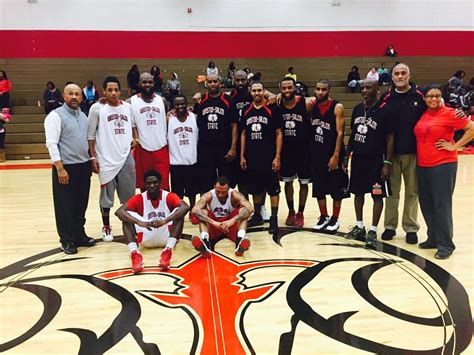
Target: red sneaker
(290, 220)
(165, 259)
(137, 261)
(202, 246)
(299, 220)
(242, 245)
(194, 220)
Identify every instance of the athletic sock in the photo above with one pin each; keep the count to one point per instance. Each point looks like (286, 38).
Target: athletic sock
(301, 209)
(336, 211)
(291, 205)
(258, 207)
(360, 224)
(373, 228)
(274, 211)
(323, 210)
(241, 233)
(106, 219)
(204, 235)
(171, 242)
(132, 246)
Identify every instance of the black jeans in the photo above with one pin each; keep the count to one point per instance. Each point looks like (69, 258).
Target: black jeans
(71, 200)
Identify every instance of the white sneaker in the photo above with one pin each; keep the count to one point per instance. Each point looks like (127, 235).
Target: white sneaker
(107, 234)
(264, 214)
(333, 225)
(322, 222)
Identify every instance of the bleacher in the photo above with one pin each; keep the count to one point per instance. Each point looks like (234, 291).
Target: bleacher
(25, 138)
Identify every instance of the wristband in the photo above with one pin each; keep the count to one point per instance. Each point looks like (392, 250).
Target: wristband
(387, 162)
(92, 158)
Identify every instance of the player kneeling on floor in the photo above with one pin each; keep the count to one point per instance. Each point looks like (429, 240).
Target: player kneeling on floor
(154, 218)
(222, 212)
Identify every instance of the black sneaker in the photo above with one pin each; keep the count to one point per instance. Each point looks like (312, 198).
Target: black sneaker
(69, 248)
(272, 229)
(322, 222)
(255, 220)
(201, 245)
(85, 241)
(371, 240)
(426, 245)
(356, 233)
(388, 234)
(332, 226)
(411, 238)
(442, 254)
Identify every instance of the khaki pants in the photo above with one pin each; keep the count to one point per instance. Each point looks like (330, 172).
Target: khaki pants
(403, 165)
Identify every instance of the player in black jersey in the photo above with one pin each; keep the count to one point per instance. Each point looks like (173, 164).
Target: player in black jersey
(371, 148)
(217, 143)
(261, 142)
(295, 161)
(327, 154)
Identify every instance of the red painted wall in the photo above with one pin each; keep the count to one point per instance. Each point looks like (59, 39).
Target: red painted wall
(148, 44)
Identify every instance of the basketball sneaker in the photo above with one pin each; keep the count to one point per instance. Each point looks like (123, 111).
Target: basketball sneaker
(371, 240)
(165, 259)
(85, 241)
(322, 222)
(241, 245)
(356, 233)
(107, 235)
(290, 220)
(273, 228)
(201, 245)
(299, 220)
(332, 226)
(264, 214)
(137, 261)
(255, 220)
(69, 248)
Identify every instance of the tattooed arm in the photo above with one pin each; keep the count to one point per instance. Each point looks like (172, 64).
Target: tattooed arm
(200, 209)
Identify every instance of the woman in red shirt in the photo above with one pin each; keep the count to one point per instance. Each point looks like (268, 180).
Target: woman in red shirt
(436, 169)
(5, 87)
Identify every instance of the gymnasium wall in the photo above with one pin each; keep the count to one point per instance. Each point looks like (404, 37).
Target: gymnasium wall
(229, 28)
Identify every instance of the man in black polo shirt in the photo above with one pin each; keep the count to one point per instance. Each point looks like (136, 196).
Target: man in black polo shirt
(371, 147)
(217, 144)
(261, 142)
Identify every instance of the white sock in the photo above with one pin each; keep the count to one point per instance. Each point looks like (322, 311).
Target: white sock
(241, 233)
(373, 228)
(360, 224)
(171, 242)
(132, 246)
(204, 235)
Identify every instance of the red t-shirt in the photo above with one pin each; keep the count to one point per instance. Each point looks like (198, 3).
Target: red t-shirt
(432, 127)
(135, 204)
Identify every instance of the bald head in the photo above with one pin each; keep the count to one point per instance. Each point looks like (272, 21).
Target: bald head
(72, 96)
(370, 82)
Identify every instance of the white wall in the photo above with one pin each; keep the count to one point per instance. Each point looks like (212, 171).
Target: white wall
(228, 15)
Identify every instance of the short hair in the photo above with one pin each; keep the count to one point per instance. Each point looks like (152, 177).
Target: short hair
(50, 82)
(180, 96)
(256, 82)
(431, 87)
(290, 69)
(288, 78)
(325, 82)
(152, 173)
(110, 79)
(399, 65)
(222, 180)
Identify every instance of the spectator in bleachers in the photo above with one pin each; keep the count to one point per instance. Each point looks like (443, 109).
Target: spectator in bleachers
(372, 75)
(52, 97)
(133, 77)
(291, 73)
(5, 87)
(249, 72)
(4, 118)
(229, 79)
(173, 86)
(456, 82)
(384, 76)
(390, 51)
(212, 69)
(157, 79)
(353, 79)
(91, 96)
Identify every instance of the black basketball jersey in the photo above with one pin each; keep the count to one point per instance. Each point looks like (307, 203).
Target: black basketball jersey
(323, 134)
(295, 123)
(260, 136)
(369, 130)
(239, 105)
(214, 119)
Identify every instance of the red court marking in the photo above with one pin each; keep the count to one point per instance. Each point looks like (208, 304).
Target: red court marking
(25, 166)
(169, 44)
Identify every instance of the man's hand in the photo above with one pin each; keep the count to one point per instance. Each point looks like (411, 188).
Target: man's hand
(273, 99)
(95, 166)
(243, 163)
(157, 223)
(231, 154)
(345, 165)
(134, 143)
(226, 225)
(63, 177)
(276, 165)
(458, 113)
(385, 173)
(333, 162)
(144, 224)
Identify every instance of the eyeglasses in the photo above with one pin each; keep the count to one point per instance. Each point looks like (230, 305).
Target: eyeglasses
(430, 97)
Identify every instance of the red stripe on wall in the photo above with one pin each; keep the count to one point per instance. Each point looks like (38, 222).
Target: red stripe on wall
(148, 44)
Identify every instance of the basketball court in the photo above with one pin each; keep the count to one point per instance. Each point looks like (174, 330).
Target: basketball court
(296, 292)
